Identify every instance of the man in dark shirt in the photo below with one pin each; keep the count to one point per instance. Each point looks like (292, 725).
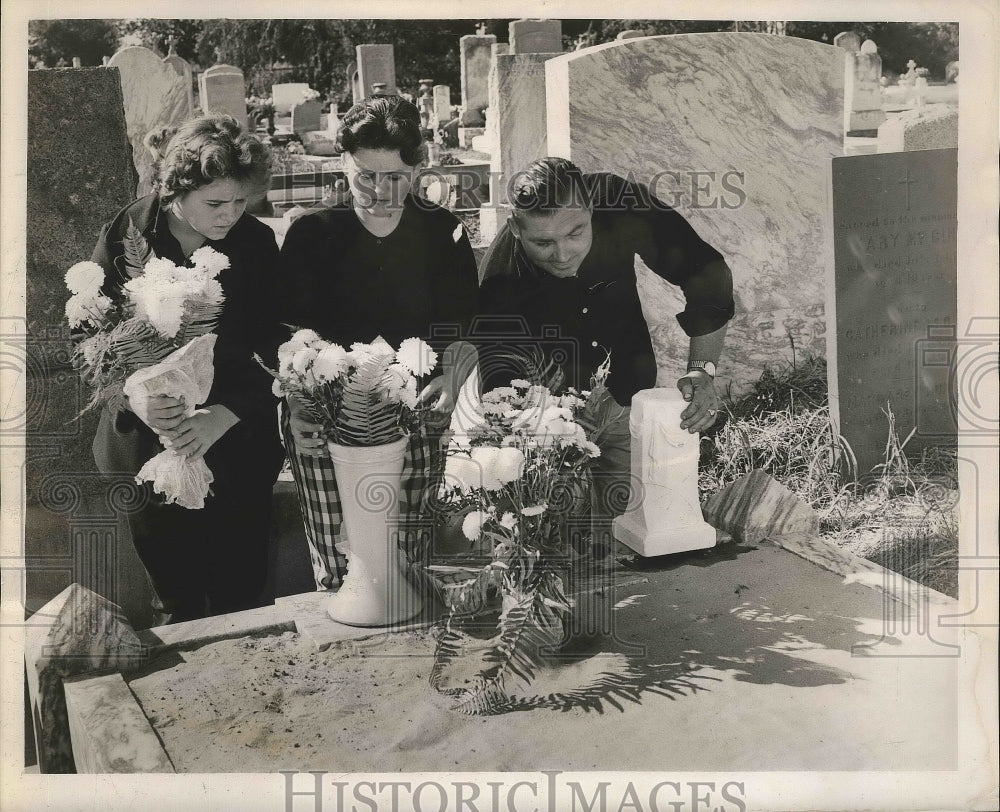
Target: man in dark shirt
(566, 260)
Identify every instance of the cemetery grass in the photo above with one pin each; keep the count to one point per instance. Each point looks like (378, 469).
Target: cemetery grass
(903, 515)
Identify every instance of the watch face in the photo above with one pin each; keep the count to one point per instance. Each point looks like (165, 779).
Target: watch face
(707, 366)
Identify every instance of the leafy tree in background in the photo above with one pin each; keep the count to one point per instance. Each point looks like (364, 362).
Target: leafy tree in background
(55, 41)
(154, 34)
(319, 51)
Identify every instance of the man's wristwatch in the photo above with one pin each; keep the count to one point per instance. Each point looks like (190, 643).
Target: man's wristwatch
(708, 367)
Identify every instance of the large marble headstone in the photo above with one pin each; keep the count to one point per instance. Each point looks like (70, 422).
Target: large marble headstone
(535, 36)
(79, 174)
(895, 225)
(515, 126)
(155, 96)
(223, 92)
(736, 131)
(286, 95)
(376, 65)
(475, 50)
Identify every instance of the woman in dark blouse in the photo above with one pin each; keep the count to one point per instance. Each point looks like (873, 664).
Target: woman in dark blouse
(210, 560)
(386, 264)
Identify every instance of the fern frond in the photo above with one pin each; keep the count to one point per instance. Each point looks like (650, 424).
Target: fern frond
(365, 419)
(525, 632)
(137, 250)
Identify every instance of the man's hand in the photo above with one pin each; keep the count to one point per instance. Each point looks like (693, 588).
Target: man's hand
(308, 436)
(699, 389)
(199, 432)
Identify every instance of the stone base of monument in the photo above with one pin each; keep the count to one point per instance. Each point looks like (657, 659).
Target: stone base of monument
(467, 134)
(663, 515)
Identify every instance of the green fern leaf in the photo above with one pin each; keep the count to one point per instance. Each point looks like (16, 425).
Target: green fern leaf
(365, 419)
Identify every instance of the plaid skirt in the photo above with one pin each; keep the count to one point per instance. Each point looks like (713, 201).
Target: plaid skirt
(319, 501)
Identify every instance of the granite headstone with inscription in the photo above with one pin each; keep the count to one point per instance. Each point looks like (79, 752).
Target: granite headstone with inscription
(895, 283)
(223, 92)
(79, 173)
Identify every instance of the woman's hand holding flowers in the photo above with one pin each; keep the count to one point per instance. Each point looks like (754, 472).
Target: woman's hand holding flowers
(164, 413)
(308, 435)
(196, 434)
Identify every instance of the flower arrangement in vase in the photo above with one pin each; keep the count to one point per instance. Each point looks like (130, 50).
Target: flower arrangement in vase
(365, 398)
(521, 481)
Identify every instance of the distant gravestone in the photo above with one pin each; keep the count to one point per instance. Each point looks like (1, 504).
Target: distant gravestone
(862, 92)
(756, 188)
(895, 225)
(442, 105)
(535, 36)
(850, 41)
(223, 91)
(306, 115)
(353, 82)
(630, 33)
(155, 96)
(286, 95)
(183, 69)
(934, 126)
(376, 64)
(79, 174)
(515, 127)
(475, 53)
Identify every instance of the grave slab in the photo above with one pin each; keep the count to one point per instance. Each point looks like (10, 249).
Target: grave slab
(757, 189)
(109, 731)
(739, 638)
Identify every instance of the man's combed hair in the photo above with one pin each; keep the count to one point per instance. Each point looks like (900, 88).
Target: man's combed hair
(384, 121)
(207, 149)
(547, 185)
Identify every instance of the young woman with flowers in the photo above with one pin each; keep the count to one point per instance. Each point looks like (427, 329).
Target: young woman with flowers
(381, 264)
(213, 559)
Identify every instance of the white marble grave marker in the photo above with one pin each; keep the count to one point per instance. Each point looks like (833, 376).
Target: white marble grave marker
(736, 132)
(663, 515)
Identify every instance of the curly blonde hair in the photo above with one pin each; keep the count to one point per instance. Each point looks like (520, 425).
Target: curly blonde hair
(207, 149)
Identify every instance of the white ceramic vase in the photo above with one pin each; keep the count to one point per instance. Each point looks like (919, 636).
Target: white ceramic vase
(376, 590)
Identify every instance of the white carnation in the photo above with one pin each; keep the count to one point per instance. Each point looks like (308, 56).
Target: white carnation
(534, 510)
(83, 307)
(462, 473)
(306, 337)
(472, 525)
(303, 360)
(486, 458)
(209, 260)
(508, 521)
(85, 278)
(417, 356)
(330, 362)
(509, 464)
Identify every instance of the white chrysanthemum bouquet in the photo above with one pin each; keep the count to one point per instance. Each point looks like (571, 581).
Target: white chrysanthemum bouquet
(155, 340)
(521, 481)
(362, 396)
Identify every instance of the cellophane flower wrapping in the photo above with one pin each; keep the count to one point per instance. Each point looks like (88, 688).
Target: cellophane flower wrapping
(186, 375)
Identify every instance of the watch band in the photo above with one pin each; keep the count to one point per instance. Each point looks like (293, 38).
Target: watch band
(708, 367)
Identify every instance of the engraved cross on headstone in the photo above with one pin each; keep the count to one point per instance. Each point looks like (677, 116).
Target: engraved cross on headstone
(908, 183)
(171, 45)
